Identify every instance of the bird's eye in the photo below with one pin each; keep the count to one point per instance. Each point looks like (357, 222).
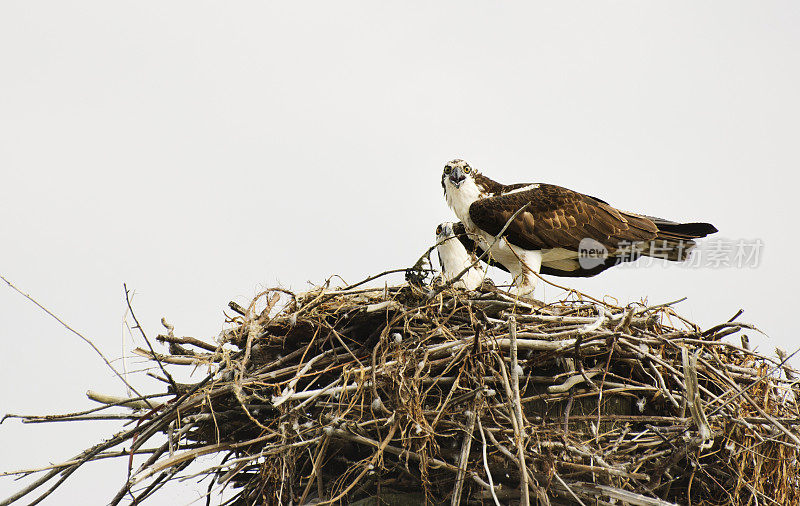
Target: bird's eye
(447, 169)
(467, 169)
(438, 230)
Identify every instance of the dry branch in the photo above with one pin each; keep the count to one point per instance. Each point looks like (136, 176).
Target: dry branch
(461, 397)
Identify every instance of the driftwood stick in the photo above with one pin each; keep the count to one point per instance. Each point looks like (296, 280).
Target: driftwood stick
(120, 401)
(693, 398)
(67, 416)
(178, 360)
(568, 488)
(397, 383)
(316, 471)
(663, 385)
(186, 340)
(61, 465)
(486, 463)
(572, 381)
(518, 435)
(463, 459)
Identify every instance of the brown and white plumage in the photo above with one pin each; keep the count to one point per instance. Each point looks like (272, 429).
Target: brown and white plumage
(582, 271)
(555, 223)
(454, 258)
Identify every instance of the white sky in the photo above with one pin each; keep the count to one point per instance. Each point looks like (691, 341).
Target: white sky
(202, 151)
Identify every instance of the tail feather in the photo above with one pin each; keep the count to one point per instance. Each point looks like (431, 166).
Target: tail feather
(685, 230)
(674, 240)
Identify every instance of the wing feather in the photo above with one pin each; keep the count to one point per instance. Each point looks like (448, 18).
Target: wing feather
(558, 218)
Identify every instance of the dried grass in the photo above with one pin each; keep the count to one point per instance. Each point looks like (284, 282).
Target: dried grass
(466, 397)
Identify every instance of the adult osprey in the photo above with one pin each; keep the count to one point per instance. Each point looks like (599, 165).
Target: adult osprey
(555, 225)
(454, 258)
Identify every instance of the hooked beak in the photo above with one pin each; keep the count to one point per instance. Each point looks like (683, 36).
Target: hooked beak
(457, 178)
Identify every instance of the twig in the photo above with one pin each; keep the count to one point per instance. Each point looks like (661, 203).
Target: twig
(569, 489)
(497, 237)
(463, 460)
(141, 403)
(89, 342)
(523, 468)
(340, 371)
(146, 340)
(377, 455)
(316, 470)
(187, 340)
(486, 463)
(753, 385)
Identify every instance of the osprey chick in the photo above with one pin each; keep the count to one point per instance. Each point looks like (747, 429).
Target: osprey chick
(556, 227)
(454, 258)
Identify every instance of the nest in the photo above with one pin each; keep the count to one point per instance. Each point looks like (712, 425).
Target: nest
(401, 395)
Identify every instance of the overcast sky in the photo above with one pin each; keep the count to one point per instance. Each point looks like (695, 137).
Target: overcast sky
(203, 151)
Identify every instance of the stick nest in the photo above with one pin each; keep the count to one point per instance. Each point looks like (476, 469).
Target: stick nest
(472, 398)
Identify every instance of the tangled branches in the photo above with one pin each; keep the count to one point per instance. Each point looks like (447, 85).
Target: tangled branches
(464, 397)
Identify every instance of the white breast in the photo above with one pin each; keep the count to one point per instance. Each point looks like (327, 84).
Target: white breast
(459, 199)
(521, 263)
(455, 258)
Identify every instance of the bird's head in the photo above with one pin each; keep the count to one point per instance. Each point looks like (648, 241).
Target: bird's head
(444, 231)
(456, 173)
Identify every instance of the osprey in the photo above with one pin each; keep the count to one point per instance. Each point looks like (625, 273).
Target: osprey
(454, 258)
(585, 269)
(555, 230)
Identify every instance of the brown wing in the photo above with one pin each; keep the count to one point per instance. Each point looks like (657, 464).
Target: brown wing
(472, 247)
(559, 218)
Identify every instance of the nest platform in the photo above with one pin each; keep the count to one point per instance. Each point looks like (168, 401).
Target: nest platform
(400, 395)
